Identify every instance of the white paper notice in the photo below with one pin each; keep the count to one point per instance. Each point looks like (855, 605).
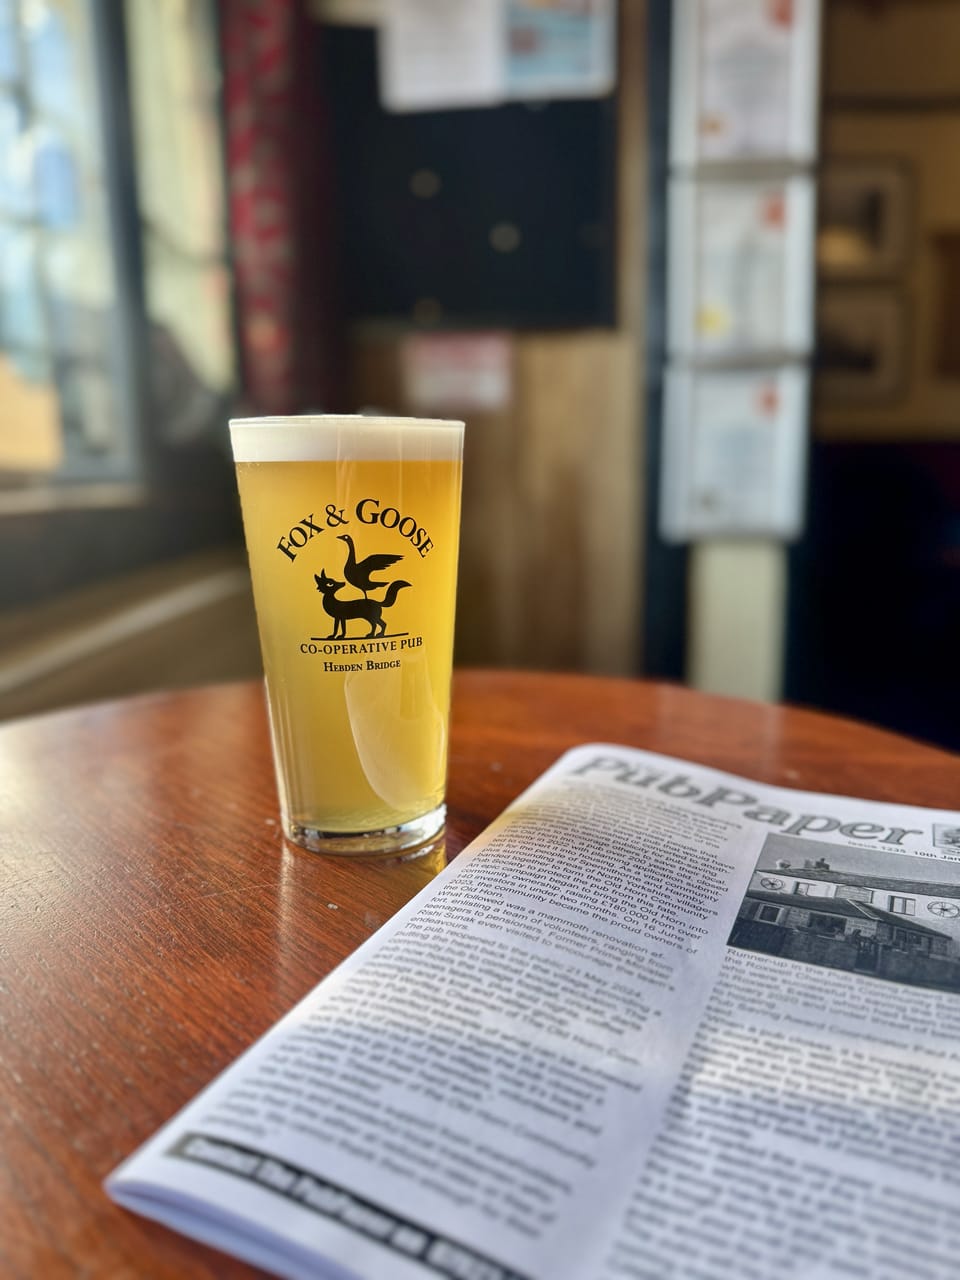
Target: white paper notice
(445, 373)
(745, 80)
(741, 266)
(734, 449)
(559, 48)
(436, 54)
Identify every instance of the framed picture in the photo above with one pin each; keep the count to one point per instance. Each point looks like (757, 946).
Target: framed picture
(744, 81)
(863, 219)
(861, 346)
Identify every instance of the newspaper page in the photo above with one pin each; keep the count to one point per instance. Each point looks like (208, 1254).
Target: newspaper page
(657, 1021)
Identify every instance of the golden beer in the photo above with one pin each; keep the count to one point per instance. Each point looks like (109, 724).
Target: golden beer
(352, 530)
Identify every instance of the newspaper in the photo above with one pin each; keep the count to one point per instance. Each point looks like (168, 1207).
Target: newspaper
(657, 1021)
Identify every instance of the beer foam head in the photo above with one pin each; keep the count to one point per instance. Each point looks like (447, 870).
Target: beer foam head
(329, 437)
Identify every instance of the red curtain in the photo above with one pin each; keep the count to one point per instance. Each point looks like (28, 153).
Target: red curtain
(279, 184)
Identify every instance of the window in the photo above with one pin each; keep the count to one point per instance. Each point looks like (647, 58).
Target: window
(60, 339)
(770, 914)
(831, 925)
(115, 321)
(855, 893)
(907, 940)
(804, 887)
(902, 906)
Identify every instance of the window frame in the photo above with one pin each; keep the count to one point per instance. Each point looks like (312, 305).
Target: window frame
(126, 464)
(909, 907)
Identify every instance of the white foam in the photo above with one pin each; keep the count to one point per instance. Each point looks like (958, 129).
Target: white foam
(328, 437)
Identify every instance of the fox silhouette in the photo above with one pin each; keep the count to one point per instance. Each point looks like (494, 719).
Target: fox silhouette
(341, 611)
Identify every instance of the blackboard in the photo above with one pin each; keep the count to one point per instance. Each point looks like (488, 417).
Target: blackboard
(501, 216)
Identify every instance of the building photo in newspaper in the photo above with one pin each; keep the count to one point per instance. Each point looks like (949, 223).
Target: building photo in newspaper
(884, 914)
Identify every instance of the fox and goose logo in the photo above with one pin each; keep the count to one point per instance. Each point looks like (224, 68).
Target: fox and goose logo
(361, 575)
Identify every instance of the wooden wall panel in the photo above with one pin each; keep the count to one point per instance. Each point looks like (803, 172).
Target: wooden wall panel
(578, 476)
(549, 574)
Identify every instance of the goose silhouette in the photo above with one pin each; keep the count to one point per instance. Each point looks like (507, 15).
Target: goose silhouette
(359, 573)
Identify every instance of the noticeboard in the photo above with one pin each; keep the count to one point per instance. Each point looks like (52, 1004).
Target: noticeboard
(472, 218)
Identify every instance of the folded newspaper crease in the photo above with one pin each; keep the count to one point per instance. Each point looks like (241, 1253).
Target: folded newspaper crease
(656, 1021)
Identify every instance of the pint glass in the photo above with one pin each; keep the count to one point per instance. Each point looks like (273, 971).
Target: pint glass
(352, 530)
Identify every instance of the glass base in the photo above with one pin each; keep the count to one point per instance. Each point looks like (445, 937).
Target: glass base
(388, 842)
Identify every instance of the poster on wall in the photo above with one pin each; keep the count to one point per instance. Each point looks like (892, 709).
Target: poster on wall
(744, 80)
(440, 54)
(741, 267)
(451, 373)
(560, 48)
(435, 54)
(734, 452)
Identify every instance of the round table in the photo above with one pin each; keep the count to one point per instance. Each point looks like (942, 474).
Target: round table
(154, 922)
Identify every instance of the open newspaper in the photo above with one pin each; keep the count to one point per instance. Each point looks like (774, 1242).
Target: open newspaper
(657, 1021)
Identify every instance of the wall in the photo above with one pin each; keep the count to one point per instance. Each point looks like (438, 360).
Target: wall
(892, 93)
(812, 948)
(736, 617)
(551, 555)
(902, 48)
(549, 573)
(926, 404)
(885, 467)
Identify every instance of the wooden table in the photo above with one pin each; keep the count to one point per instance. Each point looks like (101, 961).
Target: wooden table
(152, 922)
